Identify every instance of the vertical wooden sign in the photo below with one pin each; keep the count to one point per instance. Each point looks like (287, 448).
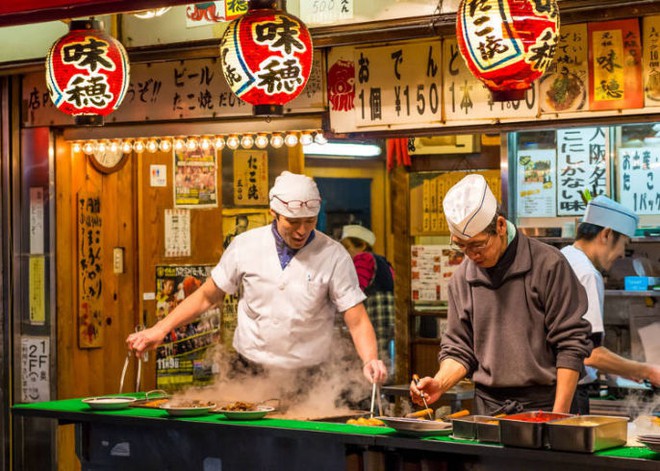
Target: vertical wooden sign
(90, 269)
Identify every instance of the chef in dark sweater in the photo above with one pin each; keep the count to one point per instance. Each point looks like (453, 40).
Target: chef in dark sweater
(515, 309)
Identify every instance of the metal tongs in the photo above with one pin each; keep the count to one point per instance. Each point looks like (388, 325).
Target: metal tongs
(145, 357)
(375, 393)
(415, 378)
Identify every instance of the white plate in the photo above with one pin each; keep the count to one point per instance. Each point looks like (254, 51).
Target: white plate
(259, 413)
(187, 411)
(655, 446)
(109, 402)
(417, 426)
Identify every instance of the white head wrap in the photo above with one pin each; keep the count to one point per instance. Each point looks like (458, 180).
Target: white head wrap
(359, 232)
(294, 187)
(469, 206)
(605, 212)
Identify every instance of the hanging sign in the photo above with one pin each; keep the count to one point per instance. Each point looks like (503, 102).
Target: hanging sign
(651, 60)
(639, 179)
(250, 177)
(35, 369)
(324, 12)
(398, 84)
(564, 86)
(615, 65)
(582, 164)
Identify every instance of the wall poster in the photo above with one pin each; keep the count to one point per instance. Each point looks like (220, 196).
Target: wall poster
(195, 177)
(638, 173)
(180, 360)
(250, 177)
(536, 185)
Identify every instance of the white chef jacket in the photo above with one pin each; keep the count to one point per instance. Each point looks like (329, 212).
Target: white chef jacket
(593, 284)
(286, 316)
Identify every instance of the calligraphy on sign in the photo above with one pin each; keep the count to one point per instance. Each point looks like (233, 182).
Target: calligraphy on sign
(582, 164)
(615, 65)
(651, 28)
(90, 270)
(319, 12)
(195, 178)
(398, 84)
(638, 175)
(250, 177)
(467, 98)
(536, 182)
(564, 86)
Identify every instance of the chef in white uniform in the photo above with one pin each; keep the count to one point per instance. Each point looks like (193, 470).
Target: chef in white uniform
(293, 280)
(601, 239)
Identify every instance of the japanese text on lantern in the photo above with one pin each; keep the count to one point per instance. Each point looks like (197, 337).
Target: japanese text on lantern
(88, 89)
(250, 177)
(90, 270)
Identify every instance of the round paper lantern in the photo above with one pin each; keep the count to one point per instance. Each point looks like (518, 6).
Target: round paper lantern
(266, 57)
(87, 73)
(507, 44)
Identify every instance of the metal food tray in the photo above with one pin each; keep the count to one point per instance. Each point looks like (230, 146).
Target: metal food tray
(587, 433)
(527, 429)
(488, 430)
(480, 427)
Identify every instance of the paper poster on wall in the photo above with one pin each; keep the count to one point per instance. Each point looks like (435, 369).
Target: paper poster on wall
(37, 288)
(250, 177)
(536, 183)
(582, 164)
(35, 369)
(36, 220)
(431, 268)
(651, 60)
(195, 177)
(180, 360)
(638, 178)
(177, 233)
(564, 86)
(324, 12)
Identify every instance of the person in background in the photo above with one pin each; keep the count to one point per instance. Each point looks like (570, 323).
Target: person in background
(294, 280)
(514, 316)
(601, 239)
(376, 279)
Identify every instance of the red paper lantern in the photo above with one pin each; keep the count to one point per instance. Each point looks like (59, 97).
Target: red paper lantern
(507, 44)
(266, 57)
(87, 73)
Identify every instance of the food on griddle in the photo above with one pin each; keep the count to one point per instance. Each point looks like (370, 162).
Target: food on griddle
(189, 404)
(564, 91)
(241, 406)
(420, 414)
(372, 421)
(156, 402)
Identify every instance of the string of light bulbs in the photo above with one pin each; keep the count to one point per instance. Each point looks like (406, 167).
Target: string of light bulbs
(192, 143)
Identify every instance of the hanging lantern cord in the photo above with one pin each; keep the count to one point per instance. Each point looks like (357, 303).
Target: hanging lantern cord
(436, 17)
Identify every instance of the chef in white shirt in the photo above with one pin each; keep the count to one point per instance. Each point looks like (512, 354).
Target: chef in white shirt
(601, 239)
(292, 280)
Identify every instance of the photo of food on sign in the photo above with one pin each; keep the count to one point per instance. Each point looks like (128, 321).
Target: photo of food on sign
(563, 91)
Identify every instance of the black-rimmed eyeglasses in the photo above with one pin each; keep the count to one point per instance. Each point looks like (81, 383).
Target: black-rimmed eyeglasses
(297, 204)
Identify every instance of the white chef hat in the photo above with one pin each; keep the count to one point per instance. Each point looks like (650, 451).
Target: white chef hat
(294, 187)
(469, 206)
(605, 212)
(359, 232)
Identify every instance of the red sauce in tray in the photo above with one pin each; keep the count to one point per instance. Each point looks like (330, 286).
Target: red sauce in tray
(536, 417)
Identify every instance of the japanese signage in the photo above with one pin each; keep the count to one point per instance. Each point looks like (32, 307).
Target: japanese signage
(399, 84)
(35, 369)
(37, 289)
(326, 11)
(171, 90)
(651, 28)
(250, 177)
(177, 233)
(90, 269)
(638, 173)
(209, 13)
(467, 98)
(615, 65)
(582, 164)
(536, 184)
(564, 86)
(431, 268)
(195, 177)
(180, 360)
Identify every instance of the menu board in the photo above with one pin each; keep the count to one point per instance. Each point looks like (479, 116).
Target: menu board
(582, 163)
(638, 171)
(536, 172)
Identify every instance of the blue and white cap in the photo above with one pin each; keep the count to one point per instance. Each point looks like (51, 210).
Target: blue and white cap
(469, 206)
(604, 212)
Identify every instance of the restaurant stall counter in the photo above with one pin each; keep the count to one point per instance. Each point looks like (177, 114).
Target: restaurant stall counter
(145, 439)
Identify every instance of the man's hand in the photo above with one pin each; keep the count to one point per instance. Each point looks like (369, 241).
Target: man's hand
(375, 371)
(427, 386)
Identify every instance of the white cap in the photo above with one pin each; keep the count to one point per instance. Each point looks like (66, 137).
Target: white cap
(359, 232)
(294, 187)
(605, 212)
(469, 206)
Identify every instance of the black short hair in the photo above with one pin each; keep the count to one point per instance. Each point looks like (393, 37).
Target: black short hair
(588, 232)
(491, 228)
